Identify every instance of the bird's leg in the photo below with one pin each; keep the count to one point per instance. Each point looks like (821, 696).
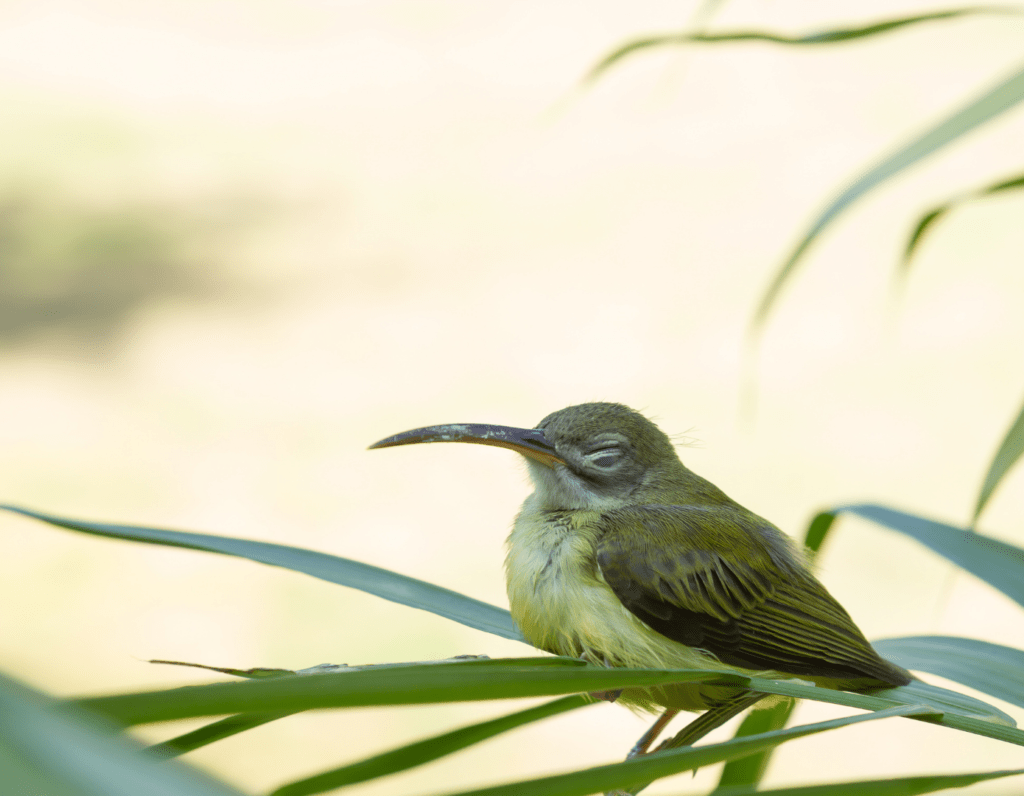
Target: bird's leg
(649, 737)
(604, 696)
(711, 719)
(707, 721)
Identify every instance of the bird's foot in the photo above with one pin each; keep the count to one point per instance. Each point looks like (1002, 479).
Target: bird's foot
(607, 696)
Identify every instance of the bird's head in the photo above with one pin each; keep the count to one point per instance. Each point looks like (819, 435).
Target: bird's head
(590, 456)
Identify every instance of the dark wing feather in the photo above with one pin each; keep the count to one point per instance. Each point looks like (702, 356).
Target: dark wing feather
(752, 604)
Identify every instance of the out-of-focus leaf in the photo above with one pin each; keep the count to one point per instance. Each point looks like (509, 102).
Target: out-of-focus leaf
(1012, 184)
(56, 750)
(374, 580)
(990, 668)
(926, 222)
(818, 530)
(999, 564)
(903, 786)
(1009, 452)
(834, 36)
(649, 768)
(749, 771)
(933, 215)
(997, 100)
(425, 751)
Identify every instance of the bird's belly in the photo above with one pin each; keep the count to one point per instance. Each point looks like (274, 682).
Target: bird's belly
(562, 604)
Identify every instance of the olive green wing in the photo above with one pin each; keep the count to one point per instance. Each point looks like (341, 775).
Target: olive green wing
(723, 580)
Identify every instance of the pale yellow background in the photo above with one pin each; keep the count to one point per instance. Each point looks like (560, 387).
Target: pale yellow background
(374, 216)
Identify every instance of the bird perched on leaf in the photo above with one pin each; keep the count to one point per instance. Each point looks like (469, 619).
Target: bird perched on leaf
(626, 558)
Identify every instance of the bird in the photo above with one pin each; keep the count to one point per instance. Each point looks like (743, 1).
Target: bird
(624, 557)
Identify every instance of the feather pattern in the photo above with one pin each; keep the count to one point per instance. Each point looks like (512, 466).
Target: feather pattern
(758, 609)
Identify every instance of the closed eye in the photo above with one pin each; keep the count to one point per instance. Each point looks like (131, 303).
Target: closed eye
(605, 457)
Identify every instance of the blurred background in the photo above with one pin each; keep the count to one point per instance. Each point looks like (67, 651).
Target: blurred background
(239, 242)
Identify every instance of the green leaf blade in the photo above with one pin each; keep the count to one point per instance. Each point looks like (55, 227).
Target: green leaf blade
(749, 771)
(818, 530)
(903, 786)
(995, 101)
(49, 748)
(1006, 457)
(949, 708)
(990, 668)
(426, 751)
(833, 36)
(999, 564)
(927, 221)
(652, 767)
(215, 731)
(417, 684)
(923, 225)
(334, 569)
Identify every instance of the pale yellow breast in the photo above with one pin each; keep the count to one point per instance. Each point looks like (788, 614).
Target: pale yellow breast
(563, 605)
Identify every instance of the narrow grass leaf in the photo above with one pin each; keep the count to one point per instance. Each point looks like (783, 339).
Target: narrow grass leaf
(999, 564)
(228, 726)
(945, 705)
(818, 530)
(940, 700)
(673, 761)
(501, 679)
(749, 771)
(950, 702)
(343, 571)
(399, 685)
(48, 748)
(922, 226)
(257, 673)
(833, 36)
(990, 668)
(1006, 457)
(903, 786)
(997, 100)
(928, 220)
(215, 731)
(417, 754)
(233, 725)
(1012, 184)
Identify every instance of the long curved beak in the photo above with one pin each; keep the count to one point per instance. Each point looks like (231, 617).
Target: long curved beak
(527, 441)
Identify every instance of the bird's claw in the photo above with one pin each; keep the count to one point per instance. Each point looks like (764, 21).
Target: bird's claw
(607, 696)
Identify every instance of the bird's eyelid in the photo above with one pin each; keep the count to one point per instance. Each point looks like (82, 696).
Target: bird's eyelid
(607, 442)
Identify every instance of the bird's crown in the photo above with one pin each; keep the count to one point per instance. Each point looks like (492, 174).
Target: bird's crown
(575, 427)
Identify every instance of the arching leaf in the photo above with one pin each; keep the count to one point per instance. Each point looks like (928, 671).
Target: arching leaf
(999, 564)
(990, 668)
(927, 221)
(833, 36)
(1006, 457)
(997, 100)
(344, 571)
(421, 752)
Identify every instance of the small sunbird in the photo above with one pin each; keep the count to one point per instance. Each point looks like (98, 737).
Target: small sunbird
(626, 558)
